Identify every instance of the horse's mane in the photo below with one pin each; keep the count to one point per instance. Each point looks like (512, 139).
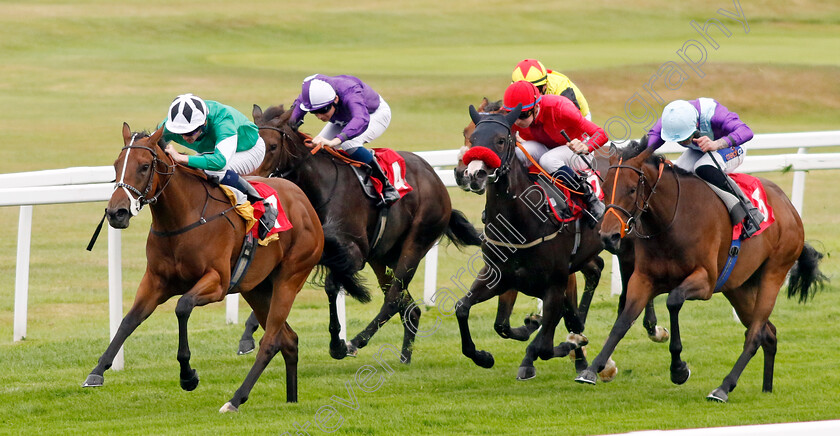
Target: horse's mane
(492, 106)
(278, 112)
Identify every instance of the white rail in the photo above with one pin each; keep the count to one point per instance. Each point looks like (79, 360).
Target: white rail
(89, 184)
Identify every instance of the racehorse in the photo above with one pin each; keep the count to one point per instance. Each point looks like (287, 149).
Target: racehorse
(682, 240)
(539, 267)
(194, 238)
(591, 271)
(414, 223)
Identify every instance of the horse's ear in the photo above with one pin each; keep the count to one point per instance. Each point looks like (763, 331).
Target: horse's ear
(513, 115)
(474, 116)
(483, 106)
(644, 141)
(614, 153)
(126, 133)
(155, 138)
(257, 113)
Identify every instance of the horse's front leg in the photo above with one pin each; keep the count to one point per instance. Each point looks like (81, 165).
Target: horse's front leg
(543, 344)
(208, 289)
(639, 292)
(246, 343)
(481, 290)
(148, 297)
(502, 323)
(695, 286)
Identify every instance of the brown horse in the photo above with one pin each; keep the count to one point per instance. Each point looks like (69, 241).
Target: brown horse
(522, 251)
(682, 235)
(194, 238)
(414, 223)
(591, 271)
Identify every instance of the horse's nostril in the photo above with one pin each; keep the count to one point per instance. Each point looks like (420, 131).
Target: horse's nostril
(481, 173)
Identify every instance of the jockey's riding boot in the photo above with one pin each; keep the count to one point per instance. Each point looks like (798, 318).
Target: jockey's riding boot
(268, 218)
(593, 203)
(389, 192)
(753, 217)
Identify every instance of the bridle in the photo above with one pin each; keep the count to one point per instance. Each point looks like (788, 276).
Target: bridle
(641, 203)
(275, 172)
(509, 150)
(142, 200)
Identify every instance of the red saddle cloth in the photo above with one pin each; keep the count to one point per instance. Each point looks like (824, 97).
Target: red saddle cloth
(576, 203)
(394, 167)
(269, 194)
(754, 190)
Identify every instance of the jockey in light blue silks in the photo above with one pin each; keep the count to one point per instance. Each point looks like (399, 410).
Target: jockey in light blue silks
(710, 131)
(355, 115)
(227, 144)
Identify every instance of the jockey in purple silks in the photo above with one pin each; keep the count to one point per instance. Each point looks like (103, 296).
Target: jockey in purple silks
(714, 137)
(355, 115)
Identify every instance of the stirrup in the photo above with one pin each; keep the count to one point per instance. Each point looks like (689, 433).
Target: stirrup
(267, 220)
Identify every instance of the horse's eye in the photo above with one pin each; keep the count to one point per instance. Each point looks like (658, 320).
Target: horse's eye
(144, 168)
(500, 141)
(632, 191)
(272, 147)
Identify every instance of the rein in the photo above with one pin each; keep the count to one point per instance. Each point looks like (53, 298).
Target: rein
(629, 225)
(141, 200)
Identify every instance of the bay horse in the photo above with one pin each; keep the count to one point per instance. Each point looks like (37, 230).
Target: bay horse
(414, 223)
(591, 271)
(539, 267)
(194, 238)
(682, 235)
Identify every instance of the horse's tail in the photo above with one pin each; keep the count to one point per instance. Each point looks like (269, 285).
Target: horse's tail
(805, 276)
(337, 259)
(460, 231)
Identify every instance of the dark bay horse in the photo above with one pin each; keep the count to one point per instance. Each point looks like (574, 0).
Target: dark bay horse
(522, 251)
(194, 238)
(682, 234)
(414, 223)
(591, 271)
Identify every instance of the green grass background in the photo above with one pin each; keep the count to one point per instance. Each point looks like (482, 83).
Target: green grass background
(72, 72)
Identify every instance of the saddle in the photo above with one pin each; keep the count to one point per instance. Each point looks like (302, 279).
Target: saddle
(391, 163)
(565, 204)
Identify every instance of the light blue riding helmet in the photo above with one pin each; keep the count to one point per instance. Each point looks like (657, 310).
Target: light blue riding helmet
(679, 121)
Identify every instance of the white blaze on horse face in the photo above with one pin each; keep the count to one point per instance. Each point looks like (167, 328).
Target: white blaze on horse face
(474, 166)
(135, 205)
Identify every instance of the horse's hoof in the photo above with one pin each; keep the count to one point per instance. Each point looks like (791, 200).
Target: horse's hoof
(93, 380)
(587, 376)
(246, 346)
(661, 334)
(484, 359)
(578, 339)
(340, 351)
(526, 373)
(352, 350)
(681, 374)
(228, 408)
(718, 395)
(609, 372)
(189, 384)
(405, 357)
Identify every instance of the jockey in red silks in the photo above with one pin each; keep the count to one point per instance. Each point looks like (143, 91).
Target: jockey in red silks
(713, 136)
(541, 127)
(355, 115)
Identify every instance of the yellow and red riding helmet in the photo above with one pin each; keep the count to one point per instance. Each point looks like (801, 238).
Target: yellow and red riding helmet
(530, 70)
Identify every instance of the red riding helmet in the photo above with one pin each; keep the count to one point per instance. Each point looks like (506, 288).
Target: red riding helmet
(521, 92)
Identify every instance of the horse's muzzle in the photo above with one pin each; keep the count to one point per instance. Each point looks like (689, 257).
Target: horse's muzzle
(612, 242)
(118, 218)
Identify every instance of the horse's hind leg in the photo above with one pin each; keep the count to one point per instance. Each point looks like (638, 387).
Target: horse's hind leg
(246, 343)
(338, 348)
(502, 323)
(147, 299)
(278, 336)
(397, 299)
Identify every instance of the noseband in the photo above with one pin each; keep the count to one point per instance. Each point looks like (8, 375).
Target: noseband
(640, 204)
(141, 200)
(509, 151)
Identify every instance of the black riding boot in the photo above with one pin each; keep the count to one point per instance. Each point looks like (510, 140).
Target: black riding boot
(269, 217)
(389, 192)
(744, 210)
(593, 203)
